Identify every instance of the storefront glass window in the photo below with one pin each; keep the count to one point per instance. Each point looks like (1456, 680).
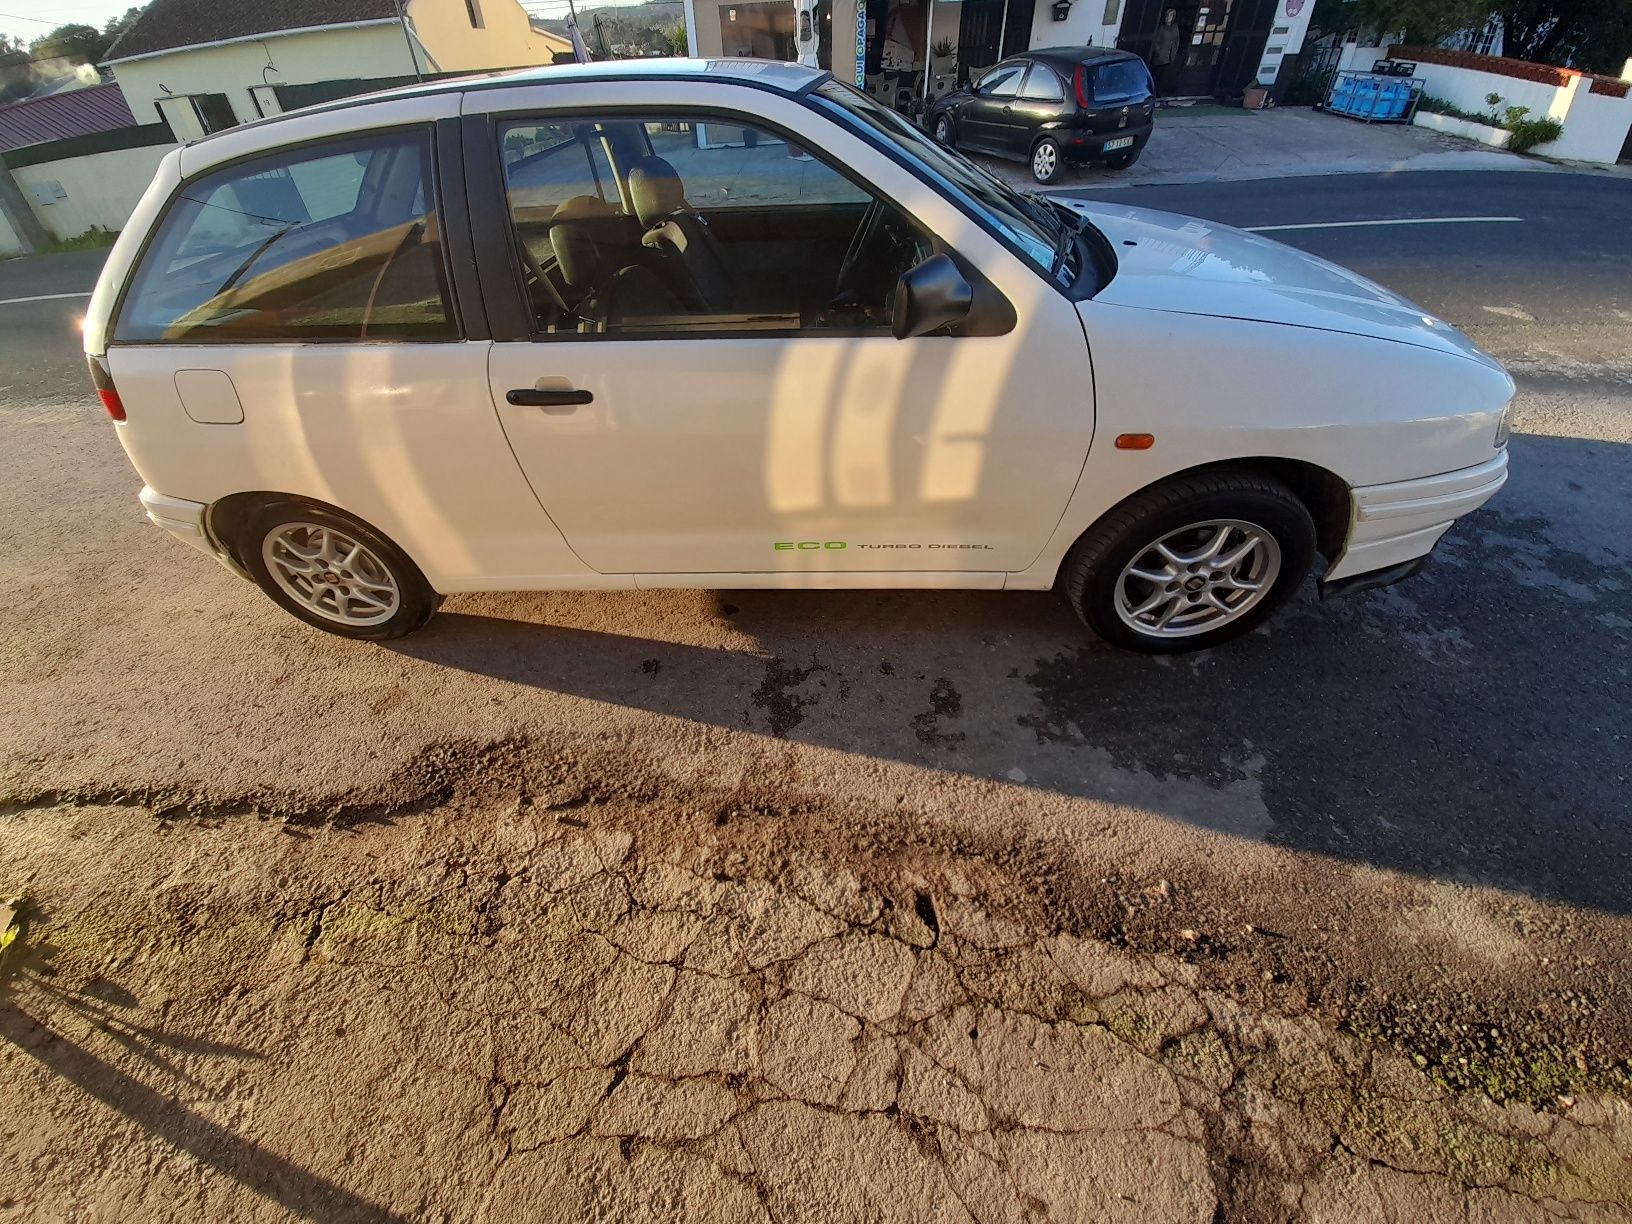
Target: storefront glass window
(763, 30)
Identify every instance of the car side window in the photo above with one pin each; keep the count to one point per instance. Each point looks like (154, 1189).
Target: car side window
(1042, 85)
(1002, 82)
(705, 226)
(330, 241)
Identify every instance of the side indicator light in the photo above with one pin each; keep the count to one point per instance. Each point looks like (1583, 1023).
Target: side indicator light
(1135, 441)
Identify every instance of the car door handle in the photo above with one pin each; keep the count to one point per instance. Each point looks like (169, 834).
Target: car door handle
(532, 397)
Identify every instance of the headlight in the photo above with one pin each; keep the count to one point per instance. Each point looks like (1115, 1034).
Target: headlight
(1504, 427)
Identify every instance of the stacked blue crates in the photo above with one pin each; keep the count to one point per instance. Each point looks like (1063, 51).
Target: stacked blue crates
(1374, 97)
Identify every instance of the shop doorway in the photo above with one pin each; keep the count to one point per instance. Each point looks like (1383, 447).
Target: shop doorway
(1204, 28)
(913, 52)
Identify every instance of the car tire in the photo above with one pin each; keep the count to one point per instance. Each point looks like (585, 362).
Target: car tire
(1122, 584)
(1047, 160)
(1122, 161)
(945, 133)
(335, 572)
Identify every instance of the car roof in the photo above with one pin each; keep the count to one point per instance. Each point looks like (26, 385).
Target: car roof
(1066, 58)
(776, 75)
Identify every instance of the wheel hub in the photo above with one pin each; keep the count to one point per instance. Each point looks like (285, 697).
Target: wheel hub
(331, 574)
(1198, 578)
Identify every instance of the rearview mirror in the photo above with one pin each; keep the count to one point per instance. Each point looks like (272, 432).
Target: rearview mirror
(929, 296)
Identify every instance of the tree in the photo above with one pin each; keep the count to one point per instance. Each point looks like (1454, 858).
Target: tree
(1592, 34)
(1417, 21)
(118, 25)
(677, 39)
(82, 44)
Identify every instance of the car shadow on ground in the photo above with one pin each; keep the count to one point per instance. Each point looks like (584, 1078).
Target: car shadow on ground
(1403, 728)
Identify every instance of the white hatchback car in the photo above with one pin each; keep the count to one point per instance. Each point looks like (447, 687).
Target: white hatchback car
(731, 324)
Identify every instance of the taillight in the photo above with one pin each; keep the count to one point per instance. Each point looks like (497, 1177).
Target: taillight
(1080, 80)
(102, 379)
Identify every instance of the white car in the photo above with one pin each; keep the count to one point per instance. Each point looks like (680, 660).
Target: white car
(732, 324)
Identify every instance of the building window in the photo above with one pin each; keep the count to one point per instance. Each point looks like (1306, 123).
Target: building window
(474, 8)
(761, 30)
(1485, 40)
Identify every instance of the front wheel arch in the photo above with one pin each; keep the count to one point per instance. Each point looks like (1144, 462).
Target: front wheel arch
(1159, 556)
(1323, 493)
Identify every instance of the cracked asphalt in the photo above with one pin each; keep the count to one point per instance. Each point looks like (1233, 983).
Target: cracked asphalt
(840, 906)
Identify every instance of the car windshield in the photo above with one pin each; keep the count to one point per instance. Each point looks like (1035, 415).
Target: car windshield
(1030, 225)
(1119, 81)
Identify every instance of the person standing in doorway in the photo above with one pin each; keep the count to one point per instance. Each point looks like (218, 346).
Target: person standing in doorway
(1164, 49)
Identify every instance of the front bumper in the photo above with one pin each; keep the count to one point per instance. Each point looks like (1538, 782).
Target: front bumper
(1395, 525)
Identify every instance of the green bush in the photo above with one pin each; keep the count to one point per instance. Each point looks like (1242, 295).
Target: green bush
(1528, 133)
(1439, 106)
(92, 239)
(1525, 133)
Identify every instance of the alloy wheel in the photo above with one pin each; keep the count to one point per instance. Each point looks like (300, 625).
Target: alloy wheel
(1044, 160)
(331, 574)
(1198, 578)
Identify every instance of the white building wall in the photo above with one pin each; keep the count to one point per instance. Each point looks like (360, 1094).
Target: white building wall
(1595, 125)
(1466, 88)
(1094, 22)
(1595, 128)
(72, 196)
(333, 53)
(8, 238)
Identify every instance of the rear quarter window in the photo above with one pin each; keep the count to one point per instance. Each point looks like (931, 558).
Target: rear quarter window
(336, 240)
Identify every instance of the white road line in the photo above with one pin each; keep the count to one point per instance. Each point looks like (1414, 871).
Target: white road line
(44, 297)
(1264, 229)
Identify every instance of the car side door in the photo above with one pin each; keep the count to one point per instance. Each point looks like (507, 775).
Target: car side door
(1041, 98)
(981, 124)
(674, 429)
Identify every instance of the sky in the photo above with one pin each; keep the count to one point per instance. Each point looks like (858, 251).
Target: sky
(28, 19)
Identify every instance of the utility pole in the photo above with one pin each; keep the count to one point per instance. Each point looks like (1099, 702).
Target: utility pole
(407, 37)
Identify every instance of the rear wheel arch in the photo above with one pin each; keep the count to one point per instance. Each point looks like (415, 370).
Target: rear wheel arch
(227, 518)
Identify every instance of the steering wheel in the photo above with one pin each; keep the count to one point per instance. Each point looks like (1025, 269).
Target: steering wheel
(843, 288)
(535, 270)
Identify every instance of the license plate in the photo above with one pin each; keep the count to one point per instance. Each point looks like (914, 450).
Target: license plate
(1125, 143)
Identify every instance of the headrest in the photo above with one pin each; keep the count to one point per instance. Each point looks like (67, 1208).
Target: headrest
(655, 190)
(573, 236)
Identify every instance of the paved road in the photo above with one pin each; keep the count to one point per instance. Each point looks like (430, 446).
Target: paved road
(1466, 733)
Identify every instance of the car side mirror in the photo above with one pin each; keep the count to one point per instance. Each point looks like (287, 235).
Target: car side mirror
(929, 296)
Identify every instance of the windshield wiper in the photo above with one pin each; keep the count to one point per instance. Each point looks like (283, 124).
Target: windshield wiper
(1070, 228)
(261, 248)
